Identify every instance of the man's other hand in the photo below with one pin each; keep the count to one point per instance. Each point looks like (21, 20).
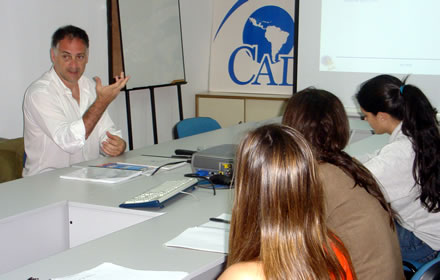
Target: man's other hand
(113, 145)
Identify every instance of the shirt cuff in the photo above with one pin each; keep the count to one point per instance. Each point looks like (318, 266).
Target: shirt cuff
(79, 130)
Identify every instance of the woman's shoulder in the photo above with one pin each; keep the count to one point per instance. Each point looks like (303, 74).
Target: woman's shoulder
(334, 177)
(243, 271)
(398, 144)
(349, 205)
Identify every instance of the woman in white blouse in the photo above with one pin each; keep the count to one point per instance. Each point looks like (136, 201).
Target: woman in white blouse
(408, 167)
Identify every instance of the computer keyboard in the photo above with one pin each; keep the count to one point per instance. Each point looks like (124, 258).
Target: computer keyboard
(156, 196)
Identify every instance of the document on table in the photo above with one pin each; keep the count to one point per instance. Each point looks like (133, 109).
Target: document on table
(109, 271)
(148, 165)
(210, 236)
(101, 175)
(126, 166)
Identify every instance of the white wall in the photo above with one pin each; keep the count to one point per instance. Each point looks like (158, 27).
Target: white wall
(26, 33)
(25, 56)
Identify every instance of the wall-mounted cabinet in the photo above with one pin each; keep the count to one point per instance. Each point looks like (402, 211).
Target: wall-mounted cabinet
(231, 108)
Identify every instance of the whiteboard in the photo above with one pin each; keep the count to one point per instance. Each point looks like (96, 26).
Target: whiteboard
(151, 42)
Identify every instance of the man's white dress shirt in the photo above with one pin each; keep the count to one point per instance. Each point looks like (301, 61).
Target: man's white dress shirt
(392, 166)
(54, 132)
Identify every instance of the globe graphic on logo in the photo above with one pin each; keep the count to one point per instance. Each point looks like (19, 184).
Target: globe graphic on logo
(271, 29)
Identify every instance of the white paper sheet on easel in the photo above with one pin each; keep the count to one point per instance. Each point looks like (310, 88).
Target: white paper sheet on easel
(109, 271)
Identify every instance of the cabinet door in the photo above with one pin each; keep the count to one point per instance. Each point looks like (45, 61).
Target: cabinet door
(227, 111)
(263, 109)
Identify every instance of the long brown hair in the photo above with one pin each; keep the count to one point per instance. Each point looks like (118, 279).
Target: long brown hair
(320, 116)
(278, 215)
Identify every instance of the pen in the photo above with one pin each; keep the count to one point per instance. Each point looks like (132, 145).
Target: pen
(219, 220)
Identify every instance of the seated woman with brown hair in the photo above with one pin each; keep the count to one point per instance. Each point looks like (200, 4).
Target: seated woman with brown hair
(278, 228)
(356, 208)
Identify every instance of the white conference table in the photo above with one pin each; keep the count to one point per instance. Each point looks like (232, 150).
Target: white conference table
(140, 246)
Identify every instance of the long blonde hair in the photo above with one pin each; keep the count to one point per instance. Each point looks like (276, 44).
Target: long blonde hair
(278, 213)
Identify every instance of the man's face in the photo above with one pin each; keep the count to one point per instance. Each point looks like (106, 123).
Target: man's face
(69, 59)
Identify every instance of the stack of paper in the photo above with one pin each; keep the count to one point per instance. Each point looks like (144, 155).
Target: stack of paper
(126, 166)
(211, 236)
(148, 165)
(101, 175)
(109, 271)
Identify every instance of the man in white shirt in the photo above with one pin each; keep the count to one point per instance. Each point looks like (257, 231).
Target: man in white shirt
(65, 118)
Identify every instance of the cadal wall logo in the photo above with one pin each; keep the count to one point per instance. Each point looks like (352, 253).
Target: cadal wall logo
(252, 47)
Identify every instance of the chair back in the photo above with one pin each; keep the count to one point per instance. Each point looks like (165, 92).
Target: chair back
(429, 271)
(11, 159)
(193, 126)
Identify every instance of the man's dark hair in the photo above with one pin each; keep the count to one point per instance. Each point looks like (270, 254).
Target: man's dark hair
(71, 32)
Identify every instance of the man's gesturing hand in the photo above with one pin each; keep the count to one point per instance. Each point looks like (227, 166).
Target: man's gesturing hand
(107, 94)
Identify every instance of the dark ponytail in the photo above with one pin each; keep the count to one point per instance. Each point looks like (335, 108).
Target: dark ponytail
(408, 104)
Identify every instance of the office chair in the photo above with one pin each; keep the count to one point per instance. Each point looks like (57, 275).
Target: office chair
(427, 271)
(11, 159)
(193, 126)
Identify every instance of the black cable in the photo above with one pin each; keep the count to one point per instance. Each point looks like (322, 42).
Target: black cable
(194, 175)
(166, 164)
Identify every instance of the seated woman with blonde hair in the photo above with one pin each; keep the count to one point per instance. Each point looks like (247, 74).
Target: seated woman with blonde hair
(356, 208)
(278, 228)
